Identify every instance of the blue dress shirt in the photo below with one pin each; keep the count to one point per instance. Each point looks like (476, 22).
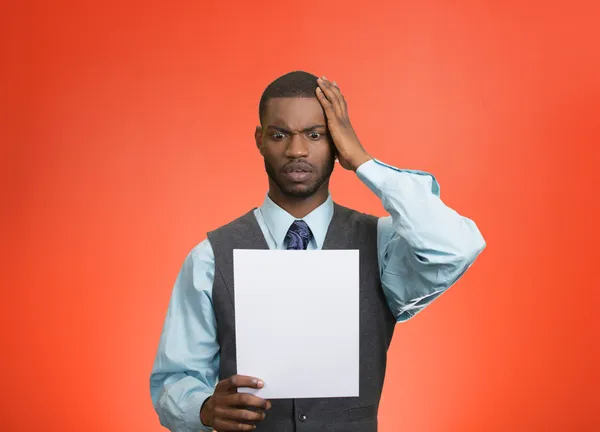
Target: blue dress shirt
(423, 248)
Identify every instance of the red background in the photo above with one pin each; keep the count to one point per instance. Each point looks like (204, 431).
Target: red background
(127, 133)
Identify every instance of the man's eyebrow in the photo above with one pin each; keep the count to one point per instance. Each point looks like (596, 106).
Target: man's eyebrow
(284, 130)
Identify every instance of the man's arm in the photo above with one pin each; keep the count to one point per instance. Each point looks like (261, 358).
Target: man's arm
(424, 246)
(186, 366)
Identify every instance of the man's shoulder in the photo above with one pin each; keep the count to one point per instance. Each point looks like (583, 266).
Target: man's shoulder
(242, 232)
(204, 250)
(235, 223)
(353, 214)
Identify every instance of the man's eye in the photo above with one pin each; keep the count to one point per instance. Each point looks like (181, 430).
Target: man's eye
(315, 135)
(278, 136)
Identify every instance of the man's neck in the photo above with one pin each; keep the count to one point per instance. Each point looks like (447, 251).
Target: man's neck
(299, 207)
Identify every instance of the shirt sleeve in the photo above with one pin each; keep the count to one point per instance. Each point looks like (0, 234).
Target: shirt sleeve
(186, 366)
(424, 246)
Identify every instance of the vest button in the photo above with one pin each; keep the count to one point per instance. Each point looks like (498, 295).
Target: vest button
(302, 417)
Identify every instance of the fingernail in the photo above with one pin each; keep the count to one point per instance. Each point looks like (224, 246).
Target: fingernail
(324, 77)
(260, 383)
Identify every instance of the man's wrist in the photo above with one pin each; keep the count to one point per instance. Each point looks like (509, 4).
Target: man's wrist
(362, 159)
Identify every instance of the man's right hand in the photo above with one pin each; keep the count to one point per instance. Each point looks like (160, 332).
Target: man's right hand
(226, 410)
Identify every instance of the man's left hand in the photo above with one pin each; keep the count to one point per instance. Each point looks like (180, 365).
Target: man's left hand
(351, 153)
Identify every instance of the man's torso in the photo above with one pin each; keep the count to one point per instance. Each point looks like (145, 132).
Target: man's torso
(348, 230)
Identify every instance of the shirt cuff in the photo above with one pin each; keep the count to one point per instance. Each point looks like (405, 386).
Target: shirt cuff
(190, 412)
(375, 173)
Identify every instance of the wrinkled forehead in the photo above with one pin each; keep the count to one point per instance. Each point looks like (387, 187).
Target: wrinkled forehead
(294, 113)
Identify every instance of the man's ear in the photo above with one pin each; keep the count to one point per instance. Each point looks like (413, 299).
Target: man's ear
(258, 138)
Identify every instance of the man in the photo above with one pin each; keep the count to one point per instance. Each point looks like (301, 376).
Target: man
(407, 259)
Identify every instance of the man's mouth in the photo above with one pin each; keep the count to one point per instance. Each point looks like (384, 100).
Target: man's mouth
(298, 173)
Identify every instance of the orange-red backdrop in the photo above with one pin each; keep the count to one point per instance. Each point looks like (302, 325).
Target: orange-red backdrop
(127, 134)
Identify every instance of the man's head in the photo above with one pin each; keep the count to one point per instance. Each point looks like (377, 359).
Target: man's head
(293, 137)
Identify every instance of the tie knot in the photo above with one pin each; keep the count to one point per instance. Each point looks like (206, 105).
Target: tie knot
(298, 235)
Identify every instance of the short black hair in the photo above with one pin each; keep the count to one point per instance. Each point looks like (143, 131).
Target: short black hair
(292, 84)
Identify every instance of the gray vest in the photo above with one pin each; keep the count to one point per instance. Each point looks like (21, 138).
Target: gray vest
(348, 229)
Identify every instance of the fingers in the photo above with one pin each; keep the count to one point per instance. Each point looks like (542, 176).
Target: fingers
(232, 415)
(338, 93)
(333, 95)
(240, 415)
(325, 103)
(234, 382)
(238, 412)
(327, 89)
(248, 400)
(222, 425)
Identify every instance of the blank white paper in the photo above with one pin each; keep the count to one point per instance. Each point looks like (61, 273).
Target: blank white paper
(297, 321)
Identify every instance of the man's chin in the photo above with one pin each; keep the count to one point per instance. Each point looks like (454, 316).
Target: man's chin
(299, 191)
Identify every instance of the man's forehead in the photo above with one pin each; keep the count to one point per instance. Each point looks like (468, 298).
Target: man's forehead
(294, 112)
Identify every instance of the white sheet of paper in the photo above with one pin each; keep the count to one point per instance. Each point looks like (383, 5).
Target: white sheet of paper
(297, 321)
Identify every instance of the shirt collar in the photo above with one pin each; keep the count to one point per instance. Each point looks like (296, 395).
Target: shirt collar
(278, 221)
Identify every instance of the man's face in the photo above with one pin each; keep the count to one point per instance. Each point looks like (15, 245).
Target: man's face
(296, 146)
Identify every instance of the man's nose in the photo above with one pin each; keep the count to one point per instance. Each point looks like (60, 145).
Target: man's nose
(297, 147)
